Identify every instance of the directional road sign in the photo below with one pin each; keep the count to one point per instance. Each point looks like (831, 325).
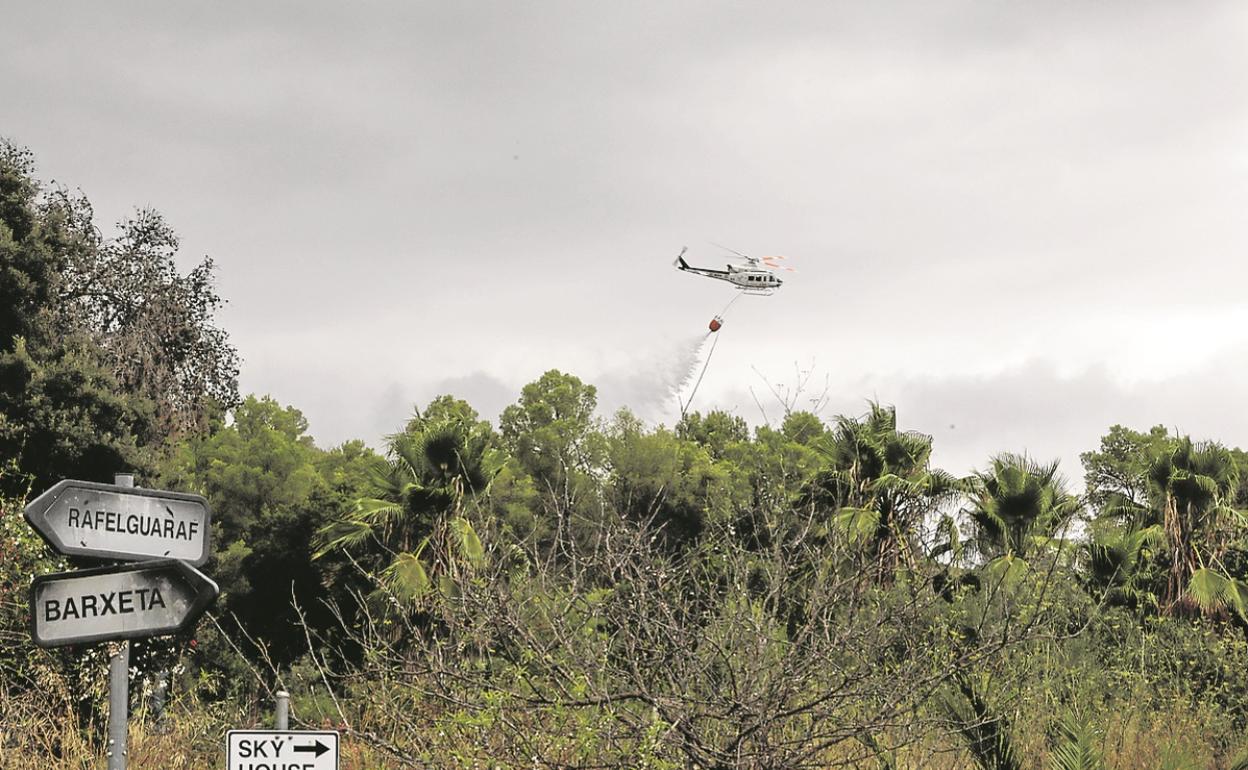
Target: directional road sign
(85, 518)
(151, 598)
(281, 750)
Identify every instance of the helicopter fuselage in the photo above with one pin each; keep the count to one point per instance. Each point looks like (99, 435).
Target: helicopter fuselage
(744, 278)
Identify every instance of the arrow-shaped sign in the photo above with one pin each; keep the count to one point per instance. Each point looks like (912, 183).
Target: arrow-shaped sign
(85, 518)
(151, 598)
(316, 749)
(261, 749)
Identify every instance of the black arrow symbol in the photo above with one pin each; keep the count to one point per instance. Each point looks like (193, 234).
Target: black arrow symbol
(317, 748)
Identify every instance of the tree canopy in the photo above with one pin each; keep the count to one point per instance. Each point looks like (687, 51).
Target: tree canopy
(570, 589)
(107, 351)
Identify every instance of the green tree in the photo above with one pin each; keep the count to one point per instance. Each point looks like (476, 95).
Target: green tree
(553, 434)
(29, 259)
(659, 479)
(1192, 490)
(768, 477)
(106, 350)
(411, 527)
(1019, 507)
(1149, 483)
(63, 412)
(716, 431)
(270, 488)
(155, 325)
(448, 410)
(880, 486)
(1116, 475)
(803, 427)
(1120, 563)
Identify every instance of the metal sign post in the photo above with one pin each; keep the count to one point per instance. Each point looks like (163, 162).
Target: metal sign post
(282, 718)
(118, 674)
(118, 704)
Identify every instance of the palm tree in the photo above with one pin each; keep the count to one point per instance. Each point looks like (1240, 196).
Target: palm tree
(1118, 561)
(880, 485)
(1018, 507)
(1191, 488)
(414, 519)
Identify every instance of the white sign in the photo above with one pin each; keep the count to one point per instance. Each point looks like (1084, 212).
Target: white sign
(84, 518)
(281, 750)
(128, 602)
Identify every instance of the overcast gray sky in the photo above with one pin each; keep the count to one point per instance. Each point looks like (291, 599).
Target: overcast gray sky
(1020, 223)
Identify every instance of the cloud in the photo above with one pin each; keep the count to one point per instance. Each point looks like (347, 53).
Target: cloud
(407, 197)
(1034, 408)
(397, 402)
(1038, 407)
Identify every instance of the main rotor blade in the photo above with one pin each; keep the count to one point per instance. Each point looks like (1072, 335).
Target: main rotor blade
(734, 251)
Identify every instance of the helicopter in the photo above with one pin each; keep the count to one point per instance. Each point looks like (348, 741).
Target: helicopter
(754, 277)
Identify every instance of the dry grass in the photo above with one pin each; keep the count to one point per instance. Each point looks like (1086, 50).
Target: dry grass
(38, 731)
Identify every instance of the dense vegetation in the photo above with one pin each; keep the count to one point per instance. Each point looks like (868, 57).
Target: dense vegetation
(563, 590)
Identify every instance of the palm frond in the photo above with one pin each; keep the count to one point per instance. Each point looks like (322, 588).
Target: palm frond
(341, 534)
(468, 542)
(1006, 571)
(950, 540)
(860, 524)
(407, 578)
(375, 510)
(987, 733)
(1214, 592)
(1077, 749)
(1119, 507)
